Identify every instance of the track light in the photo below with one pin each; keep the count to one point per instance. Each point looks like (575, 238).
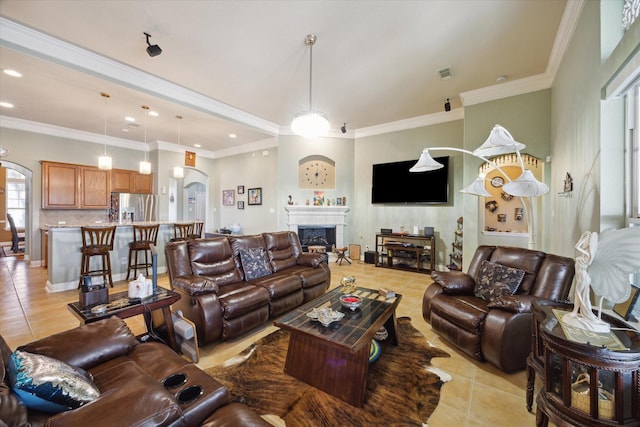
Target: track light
(343, 129)
(152, 50)
(447, 105)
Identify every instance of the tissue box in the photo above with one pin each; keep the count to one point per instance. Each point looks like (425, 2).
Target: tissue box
(94, 297)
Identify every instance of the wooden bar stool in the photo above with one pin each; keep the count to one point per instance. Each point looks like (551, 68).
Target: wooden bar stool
(341, 252)
(182, 232)
(197, 229)
(143, 237)
(97, 241)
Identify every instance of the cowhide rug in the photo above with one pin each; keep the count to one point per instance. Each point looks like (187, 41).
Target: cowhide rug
(400, 389)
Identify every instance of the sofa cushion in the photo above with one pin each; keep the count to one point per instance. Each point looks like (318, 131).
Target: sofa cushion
(12, 410)
(49, 385)
(254, 263)
(495, 280)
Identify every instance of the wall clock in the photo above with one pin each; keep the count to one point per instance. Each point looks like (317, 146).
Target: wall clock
(317, 173)
(497, 181)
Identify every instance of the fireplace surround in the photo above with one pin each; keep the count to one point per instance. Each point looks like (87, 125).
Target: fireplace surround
(319, 217)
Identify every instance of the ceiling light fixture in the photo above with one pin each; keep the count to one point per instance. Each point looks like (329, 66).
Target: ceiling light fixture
(12, 73)
(310, 123)
(499, 142)
(104, 161)
(178, 171)
(145, 166)
(152, 50)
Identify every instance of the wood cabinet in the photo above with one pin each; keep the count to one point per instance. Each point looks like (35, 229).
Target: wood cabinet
(68, 186)
(127, 181)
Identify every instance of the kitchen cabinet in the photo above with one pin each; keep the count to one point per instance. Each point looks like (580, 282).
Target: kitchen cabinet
(69, 186)
(128, 181)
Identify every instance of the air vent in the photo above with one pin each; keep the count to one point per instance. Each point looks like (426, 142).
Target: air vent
(133, 125)
(445, 73)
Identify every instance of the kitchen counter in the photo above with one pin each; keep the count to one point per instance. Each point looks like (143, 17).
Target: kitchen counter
(65, 241)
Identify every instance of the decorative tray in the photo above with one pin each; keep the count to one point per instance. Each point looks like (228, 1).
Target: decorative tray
(325, 315)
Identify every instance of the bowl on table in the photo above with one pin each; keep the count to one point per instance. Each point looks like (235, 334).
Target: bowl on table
(352, 302)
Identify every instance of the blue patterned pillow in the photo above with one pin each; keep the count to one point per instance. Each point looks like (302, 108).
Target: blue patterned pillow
(254, 263)
(49, 385)
(495, 280)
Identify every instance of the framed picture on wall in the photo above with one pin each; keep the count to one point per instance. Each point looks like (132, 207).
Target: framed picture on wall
(228, 197)
(241, 204)
(240, 189)
(254, 196)
(190, 158)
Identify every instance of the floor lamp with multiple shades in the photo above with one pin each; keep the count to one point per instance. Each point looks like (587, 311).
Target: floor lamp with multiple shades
(498, 143)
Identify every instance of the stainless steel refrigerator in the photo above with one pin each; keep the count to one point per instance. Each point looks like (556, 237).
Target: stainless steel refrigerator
(127, 207)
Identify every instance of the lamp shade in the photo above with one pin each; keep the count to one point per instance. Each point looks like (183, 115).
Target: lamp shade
(145, 167)
(426, 163)
(310, 124)
(104, 162)
(499, 142)
(178, 172)
(477, 188)
(526, 186)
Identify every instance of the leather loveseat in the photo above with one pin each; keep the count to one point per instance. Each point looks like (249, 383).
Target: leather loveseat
(224, 297)
(129, 376)
(498, 328)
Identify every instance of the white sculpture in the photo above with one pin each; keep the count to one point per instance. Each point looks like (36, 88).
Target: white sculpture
(603, 265)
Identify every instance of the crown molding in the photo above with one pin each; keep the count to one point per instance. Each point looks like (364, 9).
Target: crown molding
(506, 90)
(28, 40)
(247, 148)
(411, 123)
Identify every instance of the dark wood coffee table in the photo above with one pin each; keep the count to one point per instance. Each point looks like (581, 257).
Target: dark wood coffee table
(160, 300)
(335, 358)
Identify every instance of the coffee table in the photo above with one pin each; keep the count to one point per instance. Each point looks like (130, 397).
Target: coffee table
(121, 306)
(335, 358)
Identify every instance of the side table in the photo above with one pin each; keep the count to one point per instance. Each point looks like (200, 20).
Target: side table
(120, 305)
(585, 384)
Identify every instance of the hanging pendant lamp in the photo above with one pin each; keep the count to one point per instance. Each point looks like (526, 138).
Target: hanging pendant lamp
(104, 161)
(310, 123)
(178, 171)
(145, 166)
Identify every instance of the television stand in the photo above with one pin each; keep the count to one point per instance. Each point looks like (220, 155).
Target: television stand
(409, 252)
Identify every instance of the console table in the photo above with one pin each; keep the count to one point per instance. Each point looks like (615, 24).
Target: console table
(584, 384)
(411, 252)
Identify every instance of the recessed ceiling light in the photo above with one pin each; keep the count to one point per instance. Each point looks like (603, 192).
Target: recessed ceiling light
(500, 79)
(125, 130)
(6, 104)
(130, 119)
(153, 113)
(197, 145)
(12, 73)
(233, 135)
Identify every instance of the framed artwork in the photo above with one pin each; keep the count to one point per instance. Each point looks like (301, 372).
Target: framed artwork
(240, 189)
(190, 158)
(624, 309)
(240, 204)
(228, 197)
(255, 196)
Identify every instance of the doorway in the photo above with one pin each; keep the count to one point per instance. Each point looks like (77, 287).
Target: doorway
(17, 200)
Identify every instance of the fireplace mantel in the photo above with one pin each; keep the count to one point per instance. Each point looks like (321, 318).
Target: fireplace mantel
(319, 215)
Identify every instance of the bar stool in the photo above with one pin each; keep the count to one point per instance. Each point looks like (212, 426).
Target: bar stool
(197, 227)
(182, 232)
(143, 237)
(97, 241)
(341, 252)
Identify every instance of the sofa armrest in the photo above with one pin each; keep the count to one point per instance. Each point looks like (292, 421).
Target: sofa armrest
(454, 282)
(195, 285)
(513, 303)
(310, 259)
(88, 345)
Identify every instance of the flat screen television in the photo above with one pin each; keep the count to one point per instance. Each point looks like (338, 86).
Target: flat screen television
(393, 183)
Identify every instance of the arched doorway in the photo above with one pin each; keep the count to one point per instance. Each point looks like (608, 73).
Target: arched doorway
(28, 209)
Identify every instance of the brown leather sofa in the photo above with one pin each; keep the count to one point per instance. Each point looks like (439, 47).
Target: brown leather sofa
(498, 330)
(215, 292)
(129, 376)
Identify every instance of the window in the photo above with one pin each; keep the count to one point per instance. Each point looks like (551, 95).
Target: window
(16, 194)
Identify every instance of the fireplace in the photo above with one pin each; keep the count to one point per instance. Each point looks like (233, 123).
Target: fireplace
(316, 235)
(319, 217)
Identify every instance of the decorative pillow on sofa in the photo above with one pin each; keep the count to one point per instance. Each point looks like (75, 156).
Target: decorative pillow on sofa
(495, 280)
(254, 263)
(49, 385)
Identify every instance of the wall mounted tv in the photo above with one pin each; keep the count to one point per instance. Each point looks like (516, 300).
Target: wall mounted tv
(393, 183)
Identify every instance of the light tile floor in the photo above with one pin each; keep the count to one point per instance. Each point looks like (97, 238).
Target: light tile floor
(478, 396)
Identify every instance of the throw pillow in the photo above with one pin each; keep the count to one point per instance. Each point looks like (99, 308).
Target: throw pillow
(495, 280)
(49, 385)
(254, 263)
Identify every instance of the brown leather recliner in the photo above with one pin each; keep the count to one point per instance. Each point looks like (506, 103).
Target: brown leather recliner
(218, 297)
(499, 330)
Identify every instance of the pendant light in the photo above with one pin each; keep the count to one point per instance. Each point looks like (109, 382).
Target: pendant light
(145, 166)
(178, 171)
(310, 123)
(104, 161)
